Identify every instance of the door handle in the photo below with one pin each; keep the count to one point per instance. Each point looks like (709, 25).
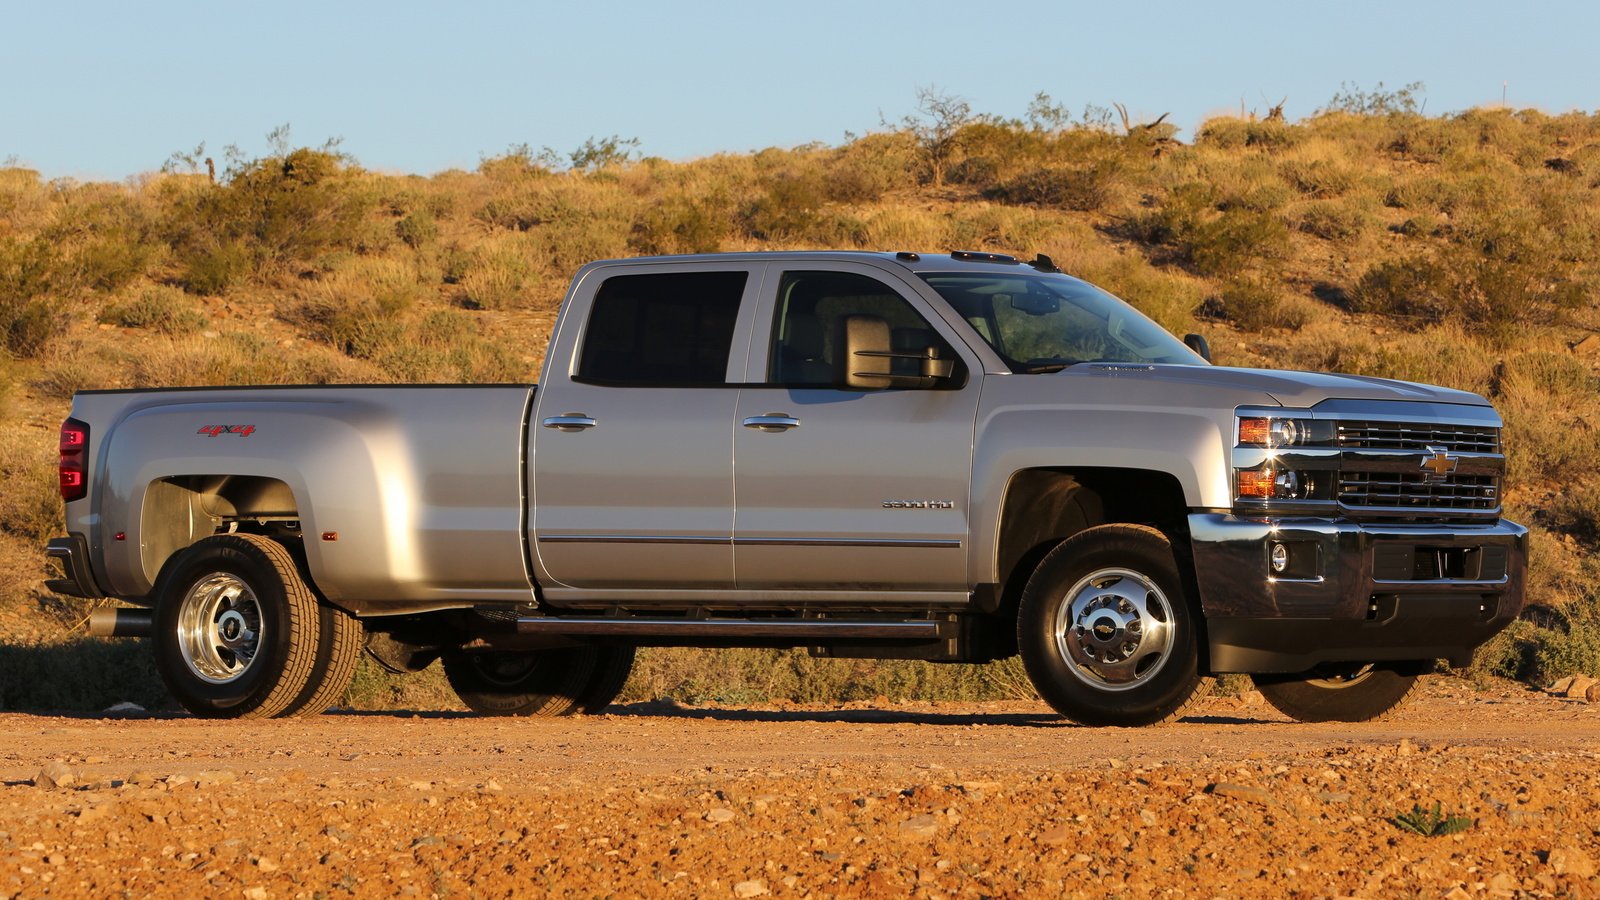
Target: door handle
(569, 422)
(772, 422)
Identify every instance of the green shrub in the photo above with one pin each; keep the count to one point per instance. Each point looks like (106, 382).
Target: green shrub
(866, 169)
(1404, 287)
(1575, 651)
(212, 269)
(789, 208)
(681, 224)
(1235, 241)
(1086, 189)
(1319, 178)
(1227, 133)
(30, 506)
(499, 276)
(1554, 375)
(165, 309)
(31, 313)
(1577, 513)
(1253, 305)
(1335, 220)
(273, 215)
(418, 229)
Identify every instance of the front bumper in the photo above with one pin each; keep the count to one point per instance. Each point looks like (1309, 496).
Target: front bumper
(1352, 591)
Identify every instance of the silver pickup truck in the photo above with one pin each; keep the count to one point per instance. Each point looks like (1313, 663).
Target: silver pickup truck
(955, 458)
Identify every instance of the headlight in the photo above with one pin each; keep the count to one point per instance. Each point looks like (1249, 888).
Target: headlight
(1278, 484)
(1284, 457)
(1273, 431)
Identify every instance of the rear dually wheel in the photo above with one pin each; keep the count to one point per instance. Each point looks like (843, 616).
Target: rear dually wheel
(237, 631)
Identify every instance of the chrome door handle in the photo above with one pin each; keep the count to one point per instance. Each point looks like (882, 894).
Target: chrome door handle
(569, 422)
(772, 422)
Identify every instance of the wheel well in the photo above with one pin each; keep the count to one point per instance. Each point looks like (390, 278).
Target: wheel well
(1044, 507)
(182, 509)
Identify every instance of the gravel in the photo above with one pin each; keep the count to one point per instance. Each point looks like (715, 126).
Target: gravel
(811, 801)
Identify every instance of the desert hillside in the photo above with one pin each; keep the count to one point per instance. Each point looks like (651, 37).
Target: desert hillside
(1457, 249)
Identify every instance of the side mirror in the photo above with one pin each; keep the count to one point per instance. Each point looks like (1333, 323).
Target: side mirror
(1198, 344)
(862, 360)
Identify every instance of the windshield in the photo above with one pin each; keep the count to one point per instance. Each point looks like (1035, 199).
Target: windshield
(1044, 323)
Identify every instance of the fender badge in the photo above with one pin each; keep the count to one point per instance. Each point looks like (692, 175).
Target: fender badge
(240, 430)
(1440, 464)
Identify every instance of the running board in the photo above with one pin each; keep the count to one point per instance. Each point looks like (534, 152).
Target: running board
(819, 629)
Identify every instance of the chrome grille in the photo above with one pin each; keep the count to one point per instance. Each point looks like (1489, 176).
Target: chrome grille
(1403, 490)
(1418, 437)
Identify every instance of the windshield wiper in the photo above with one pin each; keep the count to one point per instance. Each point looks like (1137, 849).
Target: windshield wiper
(1041, 368)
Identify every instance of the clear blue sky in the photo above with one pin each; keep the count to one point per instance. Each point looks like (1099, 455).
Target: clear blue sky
(98, 90)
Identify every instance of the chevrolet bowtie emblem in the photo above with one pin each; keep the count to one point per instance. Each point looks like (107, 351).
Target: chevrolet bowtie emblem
(1440, 464)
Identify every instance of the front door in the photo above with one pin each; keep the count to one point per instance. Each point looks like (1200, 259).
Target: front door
(850, 492)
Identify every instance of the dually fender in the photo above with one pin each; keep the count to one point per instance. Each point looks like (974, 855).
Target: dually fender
(383, 529)
(1189, 447)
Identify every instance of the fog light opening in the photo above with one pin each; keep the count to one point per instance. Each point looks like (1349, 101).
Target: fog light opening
(1280, 558)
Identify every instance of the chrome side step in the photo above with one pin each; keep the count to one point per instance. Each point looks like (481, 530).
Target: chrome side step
(820, 629)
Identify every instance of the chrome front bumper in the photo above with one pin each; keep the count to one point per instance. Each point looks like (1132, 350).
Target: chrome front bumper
(1352, 591)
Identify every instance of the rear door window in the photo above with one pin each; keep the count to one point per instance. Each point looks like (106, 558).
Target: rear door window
(662, 330)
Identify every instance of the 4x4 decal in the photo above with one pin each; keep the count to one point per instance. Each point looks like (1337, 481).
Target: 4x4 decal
(214, 430)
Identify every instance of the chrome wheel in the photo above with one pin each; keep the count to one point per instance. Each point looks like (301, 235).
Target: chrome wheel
(220, 628)
(1106, 630)
(1115, 629)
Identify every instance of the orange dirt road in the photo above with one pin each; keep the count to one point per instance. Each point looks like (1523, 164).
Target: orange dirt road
(921, 800)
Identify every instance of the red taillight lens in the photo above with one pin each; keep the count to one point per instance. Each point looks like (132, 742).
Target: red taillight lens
(74, 459)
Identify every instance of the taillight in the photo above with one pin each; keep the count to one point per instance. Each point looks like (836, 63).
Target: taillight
(74, 459)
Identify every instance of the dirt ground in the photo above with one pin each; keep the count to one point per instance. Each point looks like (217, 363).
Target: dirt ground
(864, 800)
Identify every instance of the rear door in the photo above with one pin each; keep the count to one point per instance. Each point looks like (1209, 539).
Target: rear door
(633, 445)
(847, 492)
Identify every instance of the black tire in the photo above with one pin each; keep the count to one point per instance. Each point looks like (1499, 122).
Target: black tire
(520, 682)
(237, 631)
(340, 638)
(612, 667)
(1107, 631)
(1344, 692)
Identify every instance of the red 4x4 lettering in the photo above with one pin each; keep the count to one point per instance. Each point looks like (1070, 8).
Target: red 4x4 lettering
(214, 430)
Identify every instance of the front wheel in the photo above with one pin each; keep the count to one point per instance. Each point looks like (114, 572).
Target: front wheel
(1106, 630)
(1344, 692)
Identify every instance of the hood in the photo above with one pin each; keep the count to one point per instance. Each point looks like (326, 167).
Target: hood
(1300, 390)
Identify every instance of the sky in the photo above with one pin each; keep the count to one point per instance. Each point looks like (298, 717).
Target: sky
(98, 90)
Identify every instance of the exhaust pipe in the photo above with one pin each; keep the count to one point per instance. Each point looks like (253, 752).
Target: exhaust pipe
(121, 623)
